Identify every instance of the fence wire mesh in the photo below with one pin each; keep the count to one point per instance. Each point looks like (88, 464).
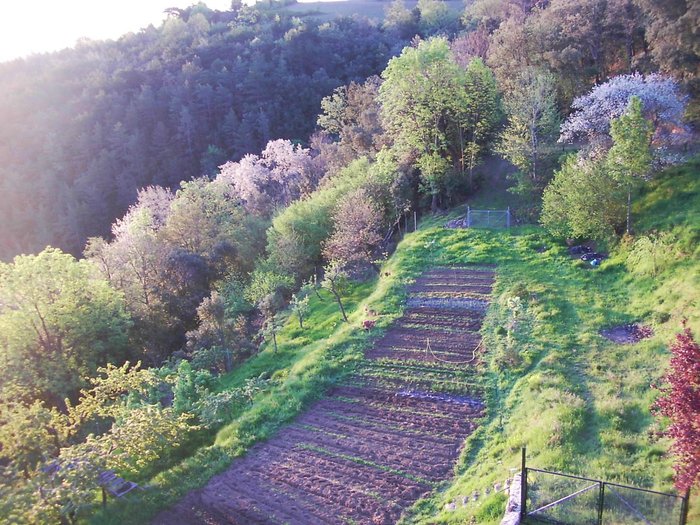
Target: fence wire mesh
(570, 500)
(627, 505)
(560, 499)
(487, 219)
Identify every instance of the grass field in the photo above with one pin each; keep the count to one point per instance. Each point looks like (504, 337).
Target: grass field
(374, 9)
(577, 401)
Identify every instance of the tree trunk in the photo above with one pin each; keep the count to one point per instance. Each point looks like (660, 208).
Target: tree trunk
(433, 203)
(629, 212)
(340, 304)
(301, 321)
(274, 339)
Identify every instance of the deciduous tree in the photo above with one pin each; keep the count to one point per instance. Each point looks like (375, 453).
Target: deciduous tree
(629, 159)
(680, 402)
(356, 232)
(533, 120)
(582, 201)
(59, 322)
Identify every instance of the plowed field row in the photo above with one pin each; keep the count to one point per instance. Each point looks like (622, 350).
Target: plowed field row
(378, 441)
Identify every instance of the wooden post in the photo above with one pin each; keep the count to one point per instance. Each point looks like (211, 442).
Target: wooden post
(508, 217)
(415, 221)
(601, 501)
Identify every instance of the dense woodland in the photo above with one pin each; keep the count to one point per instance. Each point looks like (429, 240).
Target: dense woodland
(196, 179)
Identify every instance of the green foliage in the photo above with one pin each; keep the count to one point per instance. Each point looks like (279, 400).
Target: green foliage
(533, 122)
(298, 234)
(436, 17)
(629, 159)
(479, 114)
(265, 282)
(420, 98)
(583, 201)
(29, 434)
(188, 383)
(335, 280)
(59, 323)
(300, 305)
(652, 253)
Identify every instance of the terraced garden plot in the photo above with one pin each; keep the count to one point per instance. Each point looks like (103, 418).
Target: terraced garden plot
(378, 441)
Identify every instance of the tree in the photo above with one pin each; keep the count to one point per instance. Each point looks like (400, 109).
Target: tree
(419, 96)
(352, 113)
(680, 401)
(134, 262)
(670, 31)
(59, 322)
(652, 253)
(629, 159)
(266, 290)
(31, 433)
(219, 332)
(478, 113)
(300, 305)
(283, 173)
(436, 17)
(400, 20)
(592, 113)
(357, 230)
(335, 280)
(532, 123)
(582, 201)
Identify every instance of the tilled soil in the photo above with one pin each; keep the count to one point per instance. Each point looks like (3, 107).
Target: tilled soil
(377, 442)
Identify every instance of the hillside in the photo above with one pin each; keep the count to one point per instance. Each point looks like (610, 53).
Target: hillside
(577, 401)
(250, 306)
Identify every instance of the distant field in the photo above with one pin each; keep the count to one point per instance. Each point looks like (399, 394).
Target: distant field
(370, 8)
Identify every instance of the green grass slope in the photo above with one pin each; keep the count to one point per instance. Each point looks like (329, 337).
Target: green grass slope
(577, 401)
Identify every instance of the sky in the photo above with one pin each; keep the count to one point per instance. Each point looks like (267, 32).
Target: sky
(37, 26)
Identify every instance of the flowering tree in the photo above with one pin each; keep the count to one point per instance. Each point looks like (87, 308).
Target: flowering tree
(592, 113)
(357, 236)
(281, 174)
(680, 401)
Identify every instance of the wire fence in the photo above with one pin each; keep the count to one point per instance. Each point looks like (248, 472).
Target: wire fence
(487, 218)
(564, 499)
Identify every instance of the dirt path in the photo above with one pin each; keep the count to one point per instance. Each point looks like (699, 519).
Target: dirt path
(379, 441)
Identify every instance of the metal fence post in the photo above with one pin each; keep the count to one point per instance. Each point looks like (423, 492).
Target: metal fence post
(601, 502)
(469, 217)
(684, 507)
(508, 217)
(415, 221)
(523, 485)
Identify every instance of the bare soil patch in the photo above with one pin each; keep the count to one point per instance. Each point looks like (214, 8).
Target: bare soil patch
(627, 334)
